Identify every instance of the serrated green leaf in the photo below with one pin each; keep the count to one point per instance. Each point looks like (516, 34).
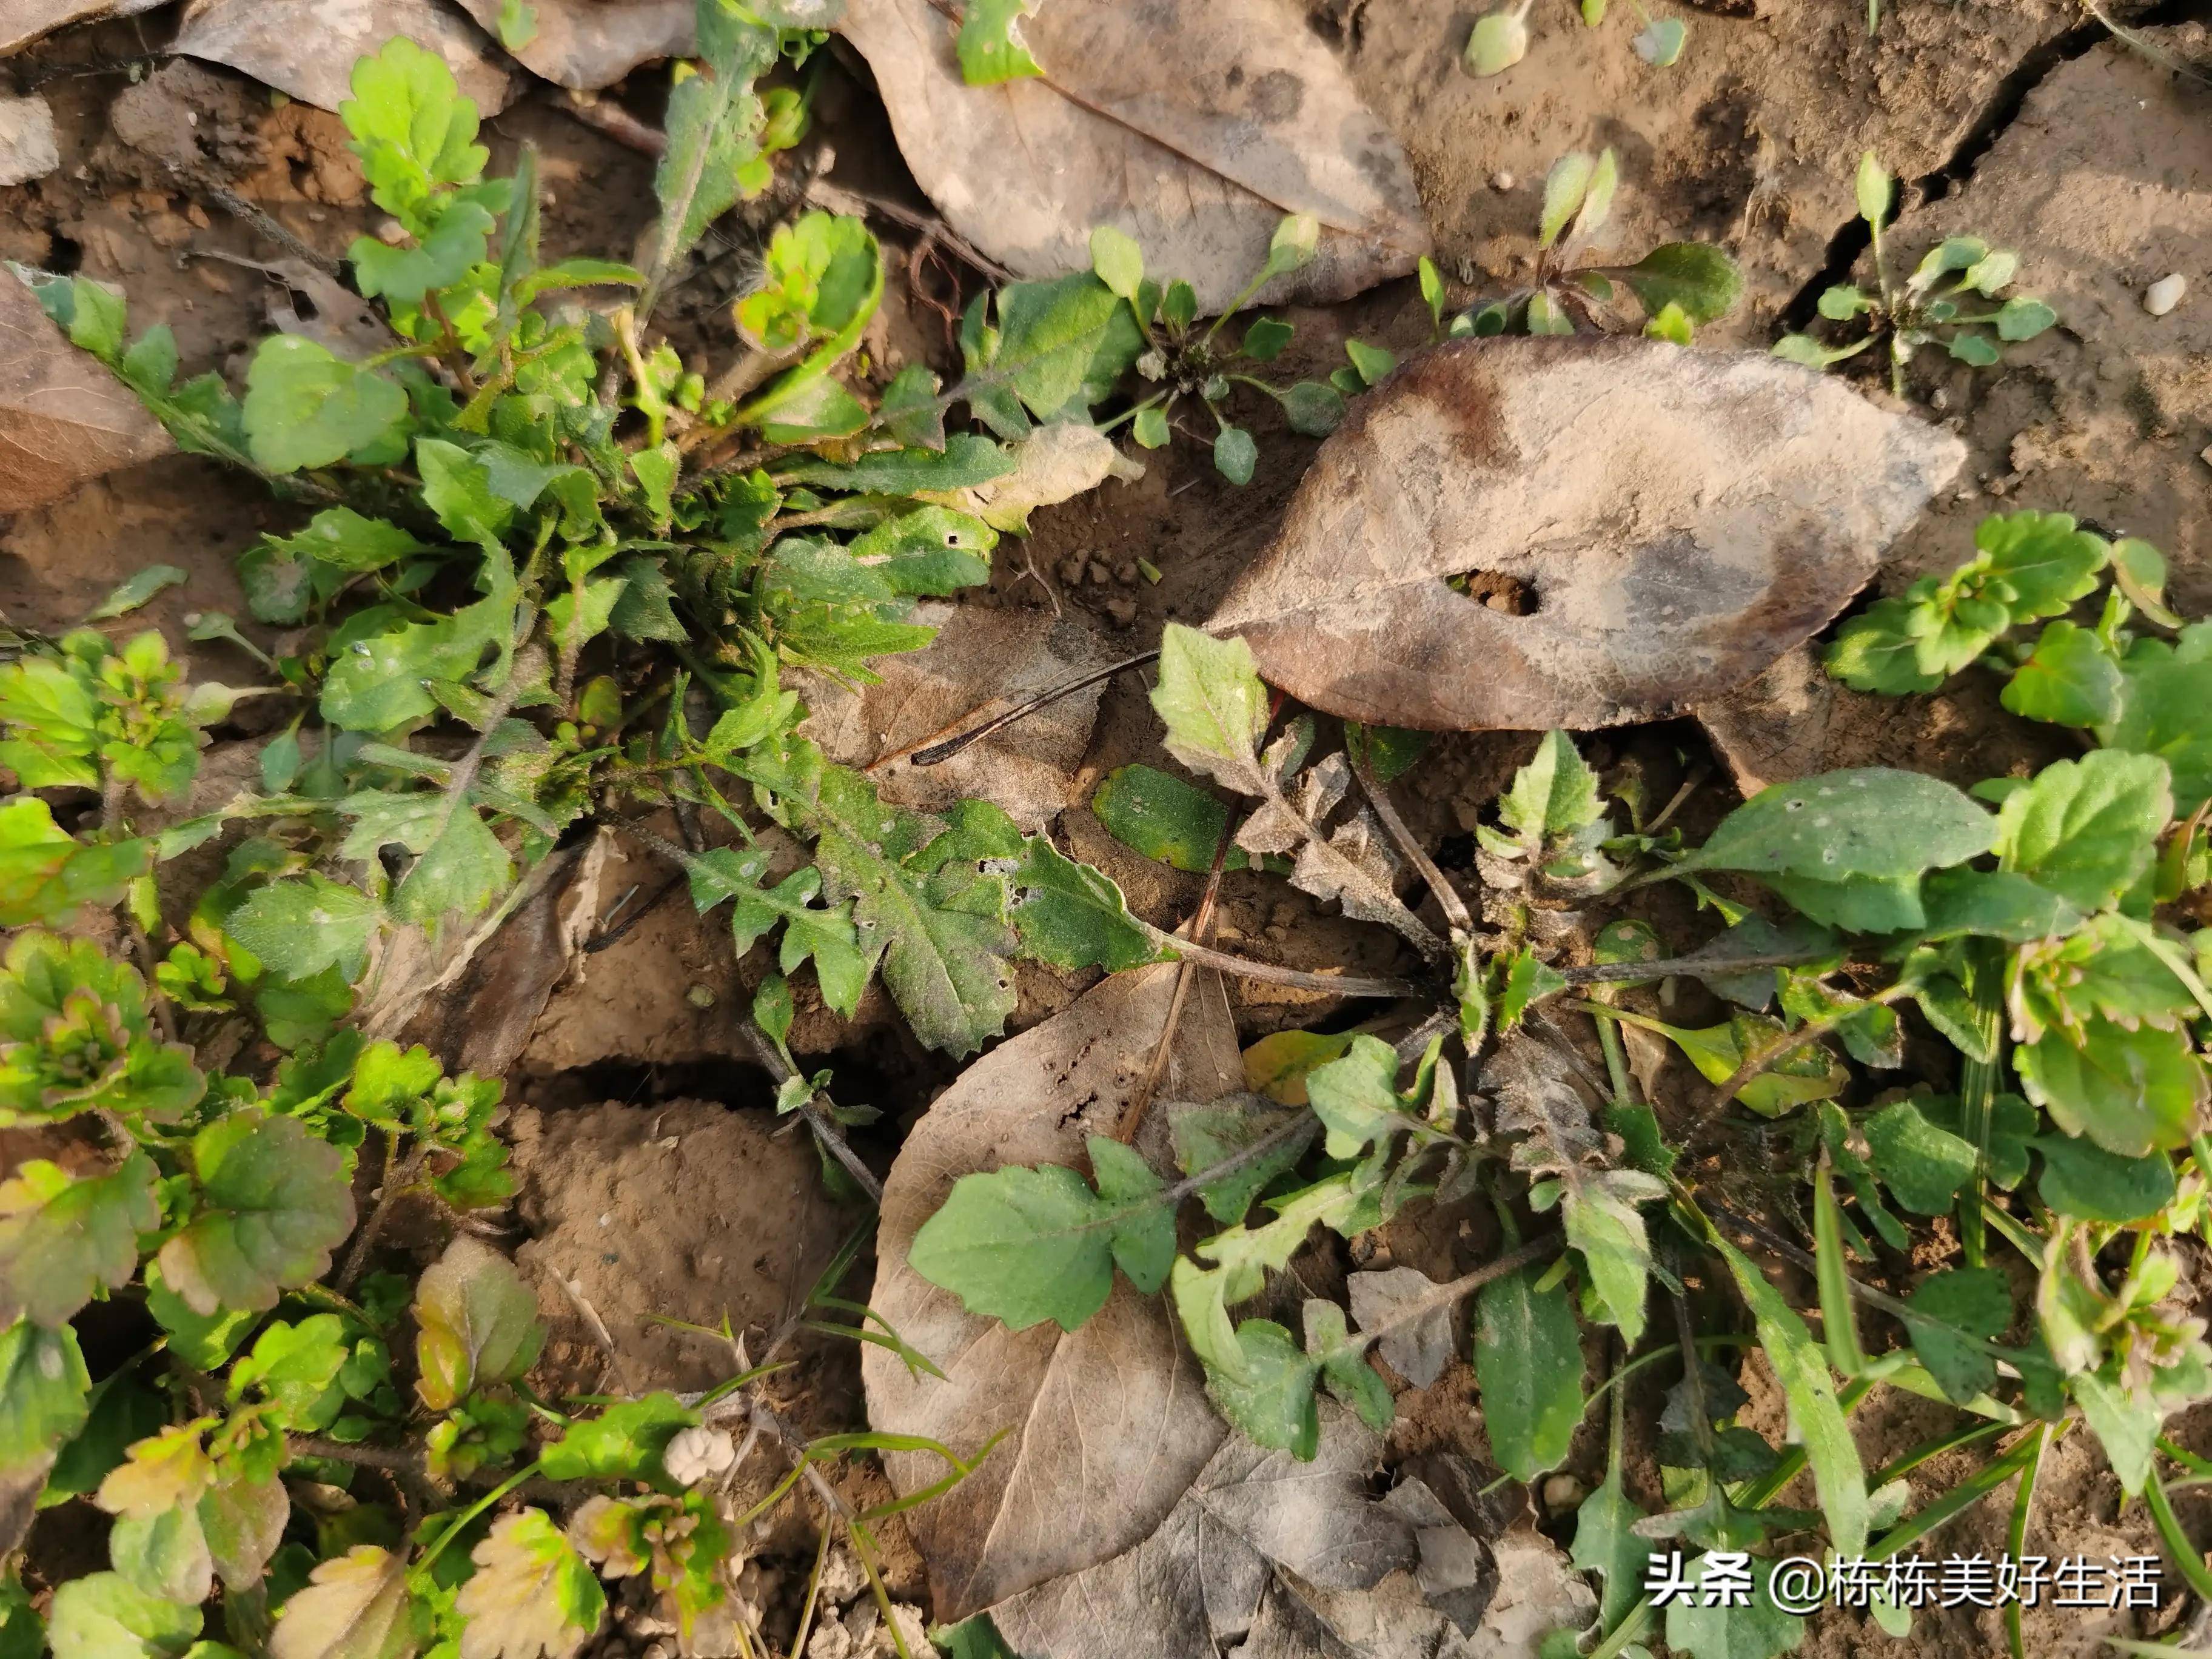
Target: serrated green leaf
(354, 1605)
(531, 1595)
(2082, 1180)
(2165, 694)
(1720, 1631)
(2130, 1092)
(2088, 829)
(299, 926)
(1270, 1398)
(457, 875)
(46, 874)
(1700, 279)
(2044, 558)
(273, 1202)
(628, 1441)
(1976, 1301)
(1923, 1166)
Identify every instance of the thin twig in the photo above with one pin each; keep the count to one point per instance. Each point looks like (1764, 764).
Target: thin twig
(604, 115)
(399, 1177)
(837, 199)
(599, 1329)
(1804, 1037)
(1448, 899)
(1692, 966)
(824, 1127)
(937, 753)
(1202, 926)
(1345, 985)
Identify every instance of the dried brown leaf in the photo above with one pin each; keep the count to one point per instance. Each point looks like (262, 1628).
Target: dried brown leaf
(980, 664)
(22, 21)
(1417, 1352)
(1680, 517)
(308, 47)
(64, 418)
(1139, 122)
(590, 43)
(1109, 1423)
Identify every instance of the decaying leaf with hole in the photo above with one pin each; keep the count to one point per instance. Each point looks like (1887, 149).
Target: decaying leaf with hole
(1649, 526)
(308, 47)
(1192, 127)
(1109, 1422)
(63, 417)
(589, 43)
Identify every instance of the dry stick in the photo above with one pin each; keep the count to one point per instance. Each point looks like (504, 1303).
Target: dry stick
(937, 753)
(605, 116)
(1201, 924)
(824, 1127)
(399, 1177)
(837, 199)
(1448, 899)
(599, 1329)
(1345, 985)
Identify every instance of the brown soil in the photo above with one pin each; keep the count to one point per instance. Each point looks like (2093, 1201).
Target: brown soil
(2014, 120)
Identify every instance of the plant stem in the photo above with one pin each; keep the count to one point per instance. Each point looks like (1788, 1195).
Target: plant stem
(824, 1127)
(937, 753)
(1201, 924)
(1694, 966)
(1454, 1290)
(2023, 1502)
(1448, 899)
(1344, 985)
(420, 1570)
(1978, 1088)
(1772, 1053)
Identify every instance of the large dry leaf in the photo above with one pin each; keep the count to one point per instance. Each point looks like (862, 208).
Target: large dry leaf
(1676, 518)
(589, 43)
(980, 664)
(1108, 1425)
(1194, 127)
(63, 417)
(308, 47)
(22, 21)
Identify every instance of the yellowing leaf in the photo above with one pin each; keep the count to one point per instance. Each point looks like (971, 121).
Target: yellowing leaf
(531, 1594)
(478, 1324)
(355, 1607)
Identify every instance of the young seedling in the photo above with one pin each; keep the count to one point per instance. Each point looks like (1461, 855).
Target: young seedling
(1500, 38)
(1678, 284)
(1951, 296)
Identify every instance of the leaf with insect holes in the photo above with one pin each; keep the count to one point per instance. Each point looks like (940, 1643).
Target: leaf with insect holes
(1874, 822)
(64, 1239)
(273, 1202)
(1073, 916)
(532, 1595)
(990, 44)
(477, 1322)
(305, 407)
(2087, 829)
(1529, 1365)
(1025, 1245)
(354, 1605)
(1352, 610)
(1816, 1419)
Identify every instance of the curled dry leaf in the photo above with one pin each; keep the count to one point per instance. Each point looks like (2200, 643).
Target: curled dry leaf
(22, 21)
(1417, 1352)
(980, 664)
(1108, 1423)
(589, 43)
(63, 417)
(308, 47)
(1670, 520)
(1137, 122)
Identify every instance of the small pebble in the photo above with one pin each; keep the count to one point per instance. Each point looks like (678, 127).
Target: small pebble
(391, 232)
(1564, 1492)
(1123, 611)
(1125, 571)
(1071, 568)
(699, 996)
(2162, 295)
(1099, 574)
(1502, 180)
